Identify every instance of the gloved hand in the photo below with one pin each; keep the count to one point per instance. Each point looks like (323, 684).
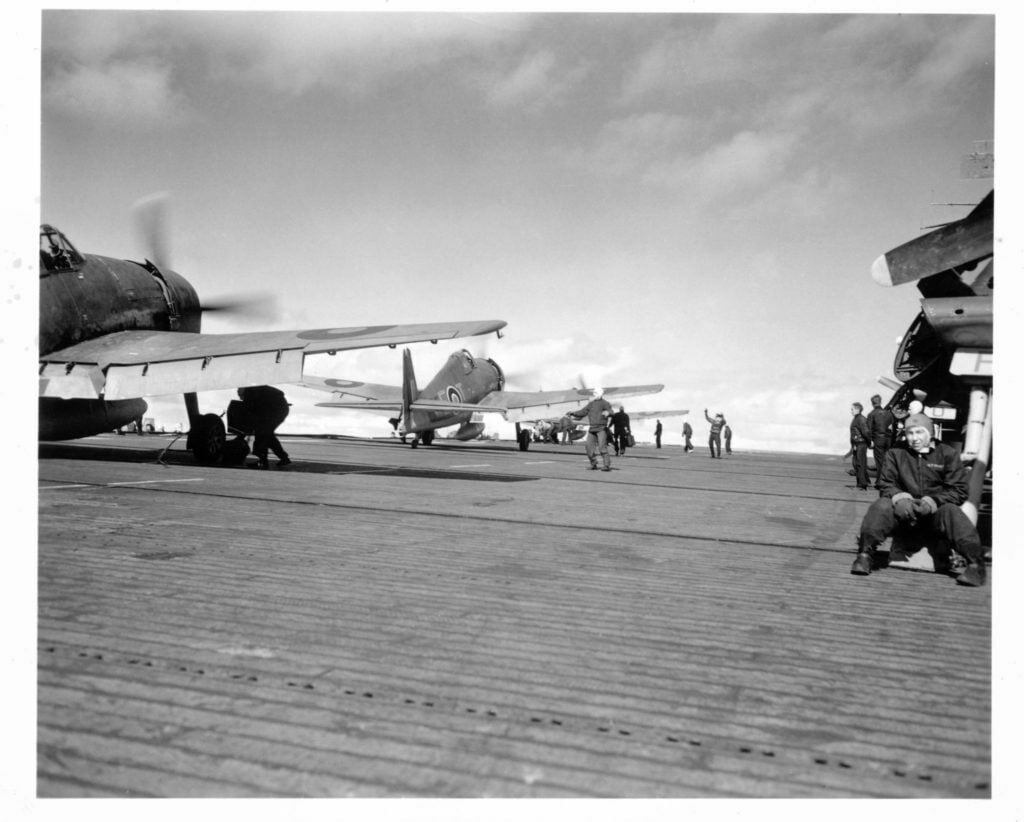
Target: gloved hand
(905, 512)
(925, 506)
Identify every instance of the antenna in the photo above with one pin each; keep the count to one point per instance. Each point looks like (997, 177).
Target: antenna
(980, 164)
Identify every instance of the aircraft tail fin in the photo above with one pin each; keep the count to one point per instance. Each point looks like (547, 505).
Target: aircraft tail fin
(409, 390)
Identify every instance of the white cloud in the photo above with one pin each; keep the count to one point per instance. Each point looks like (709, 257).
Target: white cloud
(536, 82)
(956, 53)
(136, 93)
(749, 159)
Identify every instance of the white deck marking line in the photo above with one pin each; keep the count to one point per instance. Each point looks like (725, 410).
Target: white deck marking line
(474, 465)
(112, 484)
(538, 462)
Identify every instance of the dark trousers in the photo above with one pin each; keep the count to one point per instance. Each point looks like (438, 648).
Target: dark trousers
(688, 446)
(728, 445)
(265, 439)
(657, 440)
(948, 523)
(879, 451)
(621, 441)
(597, 443)
(860, 463)
(715, 441)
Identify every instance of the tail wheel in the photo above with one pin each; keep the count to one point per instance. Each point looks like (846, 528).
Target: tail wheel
(206, 439)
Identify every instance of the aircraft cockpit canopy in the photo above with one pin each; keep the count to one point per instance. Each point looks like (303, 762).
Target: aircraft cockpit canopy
(56, 253)
(465, 359)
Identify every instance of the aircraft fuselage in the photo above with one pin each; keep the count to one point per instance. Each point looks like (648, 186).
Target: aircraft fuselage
(85, 296)
(462, 379)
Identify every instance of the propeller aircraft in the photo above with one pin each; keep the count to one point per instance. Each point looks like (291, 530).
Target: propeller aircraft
(549, 429)
(946, 356)
(112, 332)
(465, 385)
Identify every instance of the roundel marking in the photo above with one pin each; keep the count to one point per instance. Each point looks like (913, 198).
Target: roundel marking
(454, 395)
(341, 333)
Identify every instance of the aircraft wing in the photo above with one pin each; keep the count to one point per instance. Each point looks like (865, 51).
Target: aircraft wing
(960, 243)
(530, 406)
(129, 364)
(650, 415)
(513, 405)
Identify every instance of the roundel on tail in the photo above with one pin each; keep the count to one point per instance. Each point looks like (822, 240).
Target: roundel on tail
(454, 395)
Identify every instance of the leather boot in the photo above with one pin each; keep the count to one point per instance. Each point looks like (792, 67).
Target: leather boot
(974, 574)
(862, 564)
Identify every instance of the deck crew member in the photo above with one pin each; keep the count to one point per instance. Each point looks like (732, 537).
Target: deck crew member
(657, 434)
(687, 434)
(597, 411)
(859, 437)
(266, 408)
(923, 484)
(881, 423)
(620, 430)
(715, 435)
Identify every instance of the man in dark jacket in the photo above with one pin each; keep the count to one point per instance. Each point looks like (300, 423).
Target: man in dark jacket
(657, 434)
(597, 412)
(859, 437)
(620, 430)
(922, 486)
(266, 408)
(880, 427)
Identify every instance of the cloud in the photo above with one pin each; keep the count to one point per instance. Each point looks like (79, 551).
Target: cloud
(129, 93)
(536, 82)
(699, 51)
(350, 52)
(629, 144)
(748, 159)
(117, 63)
(957, 53)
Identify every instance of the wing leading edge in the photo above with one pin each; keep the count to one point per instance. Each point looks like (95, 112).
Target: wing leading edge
(515, 406)
(129, 364)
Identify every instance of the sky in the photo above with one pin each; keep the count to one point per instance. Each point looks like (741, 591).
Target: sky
(686, 199)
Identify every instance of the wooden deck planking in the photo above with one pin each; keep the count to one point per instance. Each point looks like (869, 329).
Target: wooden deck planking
(646, 610)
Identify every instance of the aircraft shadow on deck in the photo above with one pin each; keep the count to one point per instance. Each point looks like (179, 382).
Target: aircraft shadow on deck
(99, 453)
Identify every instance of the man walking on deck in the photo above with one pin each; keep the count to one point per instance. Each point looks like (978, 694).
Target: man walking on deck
(597, 412)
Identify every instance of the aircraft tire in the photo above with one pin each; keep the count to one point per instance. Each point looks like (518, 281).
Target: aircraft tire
(207, 439)
(524, 441)
(428, 437)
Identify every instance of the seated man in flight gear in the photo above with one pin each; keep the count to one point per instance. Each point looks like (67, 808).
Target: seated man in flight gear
(921, 485)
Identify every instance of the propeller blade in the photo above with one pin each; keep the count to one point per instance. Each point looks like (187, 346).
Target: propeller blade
(252, 306)
(151, 221)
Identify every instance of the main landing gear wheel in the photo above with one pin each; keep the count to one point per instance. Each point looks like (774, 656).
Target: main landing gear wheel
(206, 439)
(524, 440)
(428, 437)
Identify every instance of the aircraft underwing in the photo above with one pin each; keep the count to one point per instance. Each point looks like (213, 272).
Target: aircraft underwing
(128, 364)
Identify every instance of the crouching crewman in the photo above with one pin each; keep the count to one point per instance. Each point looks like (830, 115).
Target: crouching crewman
(921, 486)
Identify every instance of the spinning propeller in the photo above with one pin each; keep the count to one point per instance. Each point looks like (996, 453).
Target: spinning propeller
(152, 224)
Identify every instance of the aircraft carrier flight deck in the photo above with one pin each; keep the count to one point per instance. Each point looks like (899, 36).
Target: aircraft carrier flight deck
(469, 620)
